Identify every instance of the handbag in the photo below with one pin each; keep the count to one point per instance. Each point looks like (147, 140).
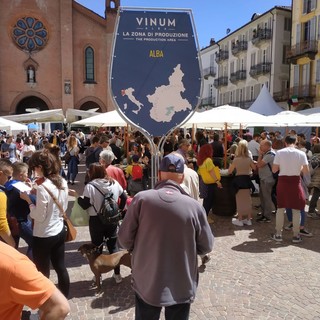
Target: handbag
(71, 231)
(79, 217)
(67, 157)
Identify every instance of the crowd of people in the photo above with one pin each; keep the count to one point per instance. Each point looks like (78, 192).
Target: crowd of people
(284, 169)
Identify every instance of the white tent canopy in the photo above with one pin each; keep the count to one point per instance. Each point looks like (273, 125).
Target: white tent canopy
(107, 119)
(11, 126)
(232, 117)
(54, 115)
(73, 114)
(287, 119)
(264, 104)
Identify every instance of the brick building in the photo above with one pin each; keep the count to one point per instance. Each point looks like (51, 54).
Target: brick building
(54, 54)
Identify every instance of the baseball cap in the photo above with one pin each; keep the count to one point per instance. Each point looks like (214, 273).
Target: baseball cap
(172, 163)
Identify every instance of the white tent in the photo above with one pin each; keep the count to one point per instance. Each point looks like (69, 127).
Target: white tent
(310, 111)
(74, 114)
(232, 117)
(107, 119)
(264, 104)
(53, 115)
(11, 126)
(287, 119)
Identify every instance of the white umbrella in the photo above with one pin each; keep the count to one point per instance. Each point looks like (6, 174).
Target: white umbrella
(286, 119)
(107, 119)
(53, 115)
(232, 117)
(10, 126)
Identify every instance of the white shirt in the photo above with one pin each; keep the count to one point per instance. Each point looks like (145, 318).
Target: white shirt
(290, 160)
(48, 220)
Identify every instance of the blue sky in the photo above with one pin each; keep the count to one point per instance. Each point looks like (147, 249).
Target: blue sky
(212, 17)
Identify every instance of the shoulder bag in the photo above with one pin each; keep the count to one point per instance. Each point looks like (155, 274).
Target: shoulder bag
(71, 231)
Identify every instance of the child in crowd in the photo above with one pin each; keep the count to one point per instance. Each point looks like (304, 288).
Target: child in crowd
(18, 208)
(134, 174)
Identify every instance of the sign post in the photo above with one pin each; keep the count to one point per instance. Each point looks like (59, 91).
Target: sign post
(155, 76)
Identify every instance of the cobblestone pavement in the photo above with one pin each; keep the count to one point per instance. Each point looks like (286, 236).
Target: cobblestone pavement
(249, 277)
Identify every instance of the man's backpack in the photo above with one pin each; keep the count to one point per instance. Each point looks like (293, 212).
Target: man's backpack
(275, 175)
(109, 210)
(137, 172)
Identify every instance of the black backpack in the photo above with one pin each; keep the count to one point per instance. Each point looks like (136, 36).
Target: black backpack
(109, 210)
(275, 175)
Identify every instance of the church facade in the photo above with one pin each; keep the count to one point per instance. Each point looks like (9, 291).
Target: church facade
(55, 55)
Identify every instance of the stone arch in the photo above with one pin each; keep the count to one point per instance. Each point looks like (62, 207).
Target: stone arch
(88, 103)
(30, 100)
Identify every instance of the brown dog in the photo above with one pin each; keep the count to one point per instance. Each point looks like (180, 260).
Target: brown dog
(103, 263)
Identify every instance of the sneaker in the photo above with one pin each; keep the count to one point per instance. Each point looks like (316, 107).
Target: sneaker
(263, 219)
(288, 227)
(296, 239)
(276, 237)
(237, 222)
(247, 222)
(306, 233)
(313, 215)
(274, 212)
(117, 277)
(205, 259)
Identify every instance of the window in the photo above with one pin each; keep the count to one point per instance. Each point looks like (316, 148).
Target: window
(89, 64)
(253, 59)
(318, 72)
(287, 24)
(284, 54)
(309, 5)
(251, 93)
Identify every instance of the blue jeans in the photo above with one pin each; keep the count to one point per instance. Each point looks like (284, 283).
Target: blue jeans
(302, 215)
(26, 234)
(145, 311)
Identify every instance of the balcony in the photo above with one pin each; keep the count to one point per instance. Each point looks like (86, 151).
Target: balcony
(220, 82)
(260, 36)
(242, 104)
(209, 72)
(208, 102)
(239, 47)
(308, 48)
(305, 92)
(260, 69)
(280, 96)
(238, 76)
(222, 55)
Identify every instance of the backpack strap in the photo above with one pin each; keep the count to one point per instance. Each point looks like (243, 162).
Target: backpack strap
(103, 194)
(269, 165)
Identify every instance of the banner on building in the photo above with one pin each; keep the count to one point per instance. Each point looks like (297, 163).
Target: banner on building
(155, 71)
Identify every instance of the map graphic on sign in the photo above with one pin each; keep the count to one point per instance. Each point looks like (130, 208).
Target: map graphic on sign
(155, 79)
(160, 110)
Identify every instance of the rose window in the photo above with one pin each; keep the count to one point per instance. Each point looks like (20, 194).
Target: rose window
(30, 34)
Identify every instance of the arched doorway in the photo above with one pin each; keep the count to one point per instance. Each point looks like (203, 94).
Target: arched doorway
(89, 105)
(31, 102)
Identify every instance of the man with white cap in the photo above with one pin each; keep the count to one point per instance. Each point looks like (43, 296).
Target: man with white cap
(165, 229)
